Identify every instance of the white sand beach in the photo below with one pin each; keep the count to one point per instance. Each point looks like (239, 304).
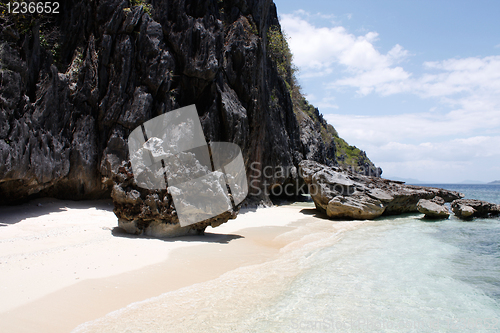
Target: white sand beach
(65, 263)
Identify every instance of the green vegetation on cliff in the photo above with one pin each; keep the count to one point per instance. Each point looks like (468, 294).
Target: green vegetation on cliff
(338, 151)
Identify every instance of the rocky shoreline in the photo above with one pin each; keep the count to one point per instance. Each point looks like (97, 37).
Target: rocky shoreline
(74, 88)
(337, 192)
(342, 194)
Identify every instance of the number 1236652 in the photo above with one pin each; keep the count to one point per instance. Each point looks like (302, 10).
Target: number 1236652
(33, 7)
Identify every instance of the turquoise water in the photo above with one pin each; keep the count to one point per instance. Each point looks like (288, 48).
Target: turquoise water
(399, 276)
(396, 274)
(402, 274)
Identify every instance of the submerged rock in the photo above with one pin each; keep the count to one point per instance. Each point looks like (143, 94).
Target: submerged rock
(468, 208)
(433, 209)
(341, 193)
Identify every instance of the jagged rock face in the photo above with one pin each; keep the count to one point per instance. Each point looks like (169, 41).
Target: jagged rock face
(68, 107)
(469, 208)
(314, 147)
(367, 168)
(433, 209)
(151, 212)
(342, 194)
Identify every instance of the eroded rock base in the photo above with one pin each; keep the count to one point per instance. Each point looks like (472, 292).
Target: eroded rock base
(152, 212)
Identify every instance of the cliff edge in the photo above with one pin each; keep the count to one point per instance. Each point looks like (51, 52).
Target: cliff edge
(75, 84)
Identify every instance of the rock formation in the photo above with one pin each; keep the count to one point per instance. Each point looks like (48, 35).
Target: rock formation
(466, 209)
(340, 193)
(151, 213)
(433, 209)
(74, 85)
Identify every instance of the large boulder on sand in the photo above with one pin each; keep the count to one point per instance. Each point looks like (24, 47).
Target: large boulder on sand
(433, 209)
(340, 193)
(468, 208)
(152, 212)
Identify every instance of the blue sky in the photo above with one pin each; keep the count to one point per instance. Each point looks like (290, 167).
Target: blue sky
(416, 84)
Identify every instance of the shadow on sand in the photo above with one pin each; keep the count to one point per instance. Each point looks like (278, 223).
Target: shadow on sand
(315, 213)
(40, 207)
(207, 237)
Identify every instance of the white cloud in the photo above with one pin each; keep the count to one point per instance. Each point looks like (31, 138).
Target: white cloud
(427, 146)
(413, 127)
(327, 103)
(323, 103)
(385, 81)
(326, 16)
(450, 150)
(397, 53)
(302, 12)
(317, 50)
(446, 161)
(470, 86)
(458, 136)
(472, 76)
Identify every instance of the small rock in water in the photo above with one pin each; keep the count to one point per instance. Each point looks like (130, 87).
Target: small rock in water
(433, 209)
(468, 208)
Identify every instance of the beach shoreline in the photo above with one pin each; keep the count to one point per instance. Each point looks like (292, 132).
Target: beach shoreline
(66, 263)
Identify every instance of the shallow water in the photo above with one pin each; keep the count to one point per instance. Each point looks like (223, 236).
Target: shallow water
(399, 274)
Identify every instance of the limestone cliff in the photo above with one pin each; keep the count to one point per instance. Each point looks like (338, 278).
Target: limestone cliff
(73, 85)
